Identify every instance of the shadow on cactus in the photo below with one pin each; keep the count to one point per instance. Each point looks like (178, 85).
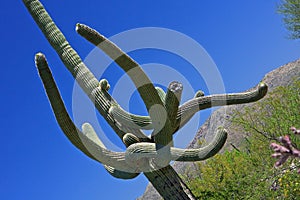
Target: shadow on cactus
(148, 155)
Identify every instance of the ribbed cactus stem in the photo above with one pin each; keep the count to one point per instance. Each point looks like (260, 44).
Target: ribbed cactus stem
(191, 107)
(58, 41)
(57, 104)
(74, 64)
(130, 139)
(88, 130)
(169, 185)
(131, 120)
(144, 85)
(161, 93)
(173, 98)
(143, 150)
(202, 153)
(84, 142)
(120, 174)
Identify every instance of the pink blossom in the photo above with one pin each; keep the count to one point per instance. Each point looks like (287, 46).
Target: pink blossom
(286, 149)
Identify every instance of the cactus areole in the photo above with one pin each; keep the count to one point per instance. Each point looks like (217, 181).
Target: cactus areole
(148, 155)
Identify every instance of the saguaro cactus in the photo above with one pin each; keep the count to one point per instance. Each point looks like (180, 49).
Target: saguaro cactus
(148, 155)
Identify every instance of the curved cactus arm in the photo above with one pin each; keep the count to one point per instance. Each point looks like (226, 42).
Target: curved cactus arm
(130, 139)
(88, 130)
(132, 120)
(115, 160)
(58, 41)
(172, 100)
(154, 105)
(137, 132)
(143, 152)
(130, 66)
(61, 115)
(120, 174)
(83, 142)
(201, 153)
(161, 93)
(191, 107)
(74, 64)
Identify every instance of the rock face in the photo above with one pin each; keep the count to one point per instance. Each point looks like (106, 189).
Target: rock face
(281, 76)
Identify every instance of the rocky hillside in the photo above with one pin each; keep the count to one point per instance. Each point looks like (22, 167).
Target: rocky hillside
(281, 76)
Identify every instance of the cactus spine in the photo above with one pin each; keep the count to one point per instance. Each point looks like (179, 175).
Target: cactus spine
(150, 156)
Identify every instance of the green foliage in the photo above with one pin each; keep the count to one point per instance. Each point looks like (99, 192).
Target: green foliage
(235, 175)
(274, 116)
(290, 9)
(289, 183)
(250, 173)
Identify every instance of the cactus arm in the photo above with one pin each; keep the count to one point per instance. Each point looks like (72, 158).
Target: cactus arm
(61, 115)
(115, 160)
(172, 100)
(88, 130)
(202, 153)
(188, 109)
(86, 140)
(120, 174)
(165, 135)
(154, 104)
(130, 120)
(137, 152)
(161, 93)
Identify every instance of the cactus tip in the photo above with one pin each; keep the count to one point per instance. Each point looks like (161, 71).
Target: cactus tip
(199, 93)
(262, 89)
(104, 84)
(77, 27)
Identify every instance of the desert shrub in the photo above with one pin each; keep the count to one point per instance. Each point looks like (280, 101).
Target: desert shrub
(249, 173)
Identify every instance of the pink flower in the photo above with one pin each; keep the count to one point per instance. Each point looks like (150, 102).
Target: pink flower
(286, 149)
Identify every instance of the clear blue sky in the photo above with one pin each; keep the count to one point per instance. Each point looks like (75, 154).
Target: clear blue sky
(246, 39)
